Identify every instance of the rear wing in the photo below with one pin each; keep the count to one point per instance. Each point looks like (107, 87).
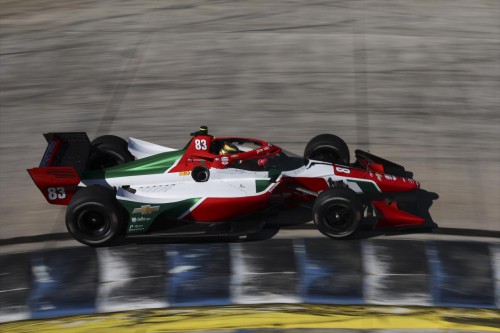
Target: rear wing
(62, 164)
(66, 149)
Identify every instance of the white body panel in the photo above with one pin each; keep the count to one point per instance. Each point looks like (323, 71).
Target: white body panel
(171, 187)
(141, 149)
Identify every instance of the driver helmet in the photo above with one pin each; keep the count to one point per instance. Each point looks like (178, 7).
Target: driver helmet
(228, 148)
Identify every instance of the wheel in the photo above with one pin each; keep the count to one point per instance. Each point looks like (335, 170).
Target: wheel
(337, 212)
(94, 217)
(328, 148)
(108, 151)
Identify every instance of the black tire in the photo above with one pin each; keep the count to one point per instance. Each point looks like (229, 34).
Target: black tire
(94, 217)
(337, 212)
(328, 148)
(108, 151)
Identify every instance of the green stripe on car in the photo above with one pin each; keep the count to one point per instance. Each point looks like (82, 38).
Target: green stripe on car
(366, 187)
(156, 164)
(142, 214)
(261, 185)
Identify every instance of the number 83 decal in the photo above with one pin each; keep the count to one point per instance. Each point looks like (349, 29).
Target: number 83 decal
(200, 144)
(55, 193)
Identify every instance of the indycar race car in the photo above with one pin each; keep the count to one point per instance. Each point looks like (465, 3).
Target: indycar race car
(115, 189)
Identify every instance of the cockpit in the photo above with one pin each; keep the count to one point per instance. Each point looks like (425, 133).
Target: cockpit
(241, 153)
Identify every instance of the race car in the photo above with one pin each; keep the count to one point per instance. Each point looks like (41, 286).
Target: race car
(213, 186)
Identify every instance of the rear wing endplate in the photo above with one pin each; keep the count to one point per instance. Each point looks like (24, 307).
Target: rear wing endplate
(62, 165)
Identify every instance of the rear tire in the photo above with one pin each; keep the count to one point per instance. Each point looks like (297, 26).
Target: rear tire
(94, 217)
(108, 151)
(337, 212)
(328, 148)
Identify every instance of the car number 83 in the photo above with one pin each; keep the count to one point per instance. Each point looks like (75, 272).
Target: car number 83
(56, 193)
(200, 144)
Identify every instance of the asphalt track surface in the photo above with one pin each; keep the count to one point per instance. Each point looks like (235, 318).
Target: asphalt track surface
(415, 82)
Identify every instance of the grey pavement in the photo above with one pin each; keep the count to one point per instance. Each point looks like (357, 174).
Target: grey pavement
(416, 82)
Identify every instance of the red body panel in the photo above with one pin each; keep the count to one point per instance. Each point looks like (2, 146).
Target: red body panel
(200, 152)
(311, 184)
(389, 183)
(386, 183)
(391, 216)
(58, 184)
(221, 209)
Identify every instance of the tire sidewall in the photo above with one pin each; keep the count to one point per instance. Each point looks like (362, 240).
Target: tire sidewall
(106, 208)
(109, 146)
(326, 200)
(328, 142)
(325, 146)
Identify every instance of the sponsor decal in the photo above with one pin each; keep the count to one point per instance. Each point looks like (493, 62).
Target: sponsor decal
(48, 153)
(140, 219)
(225, 160)
(197, 160)
(145, 210)
(137, 227)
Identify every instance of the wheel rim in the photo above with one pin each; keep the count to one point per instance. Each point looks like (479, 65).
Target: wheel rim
(338, 217)
(93, 223)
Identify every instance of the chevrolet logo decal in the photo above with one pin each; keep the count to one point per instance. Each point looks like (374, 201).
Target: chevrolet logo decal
(145, 210)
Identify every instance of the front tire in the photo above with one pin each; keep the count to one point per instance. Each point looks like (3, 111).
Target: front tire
(328, 148)
(337, 212)
(108, 151)
(94, 217)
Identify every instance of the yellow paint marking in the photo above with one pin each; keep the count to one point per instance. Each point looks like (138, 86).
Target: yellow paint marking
(268, 316)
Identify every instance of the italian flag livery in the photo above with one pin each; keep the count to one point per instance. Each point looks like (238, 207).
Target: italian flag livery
(212, 187)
